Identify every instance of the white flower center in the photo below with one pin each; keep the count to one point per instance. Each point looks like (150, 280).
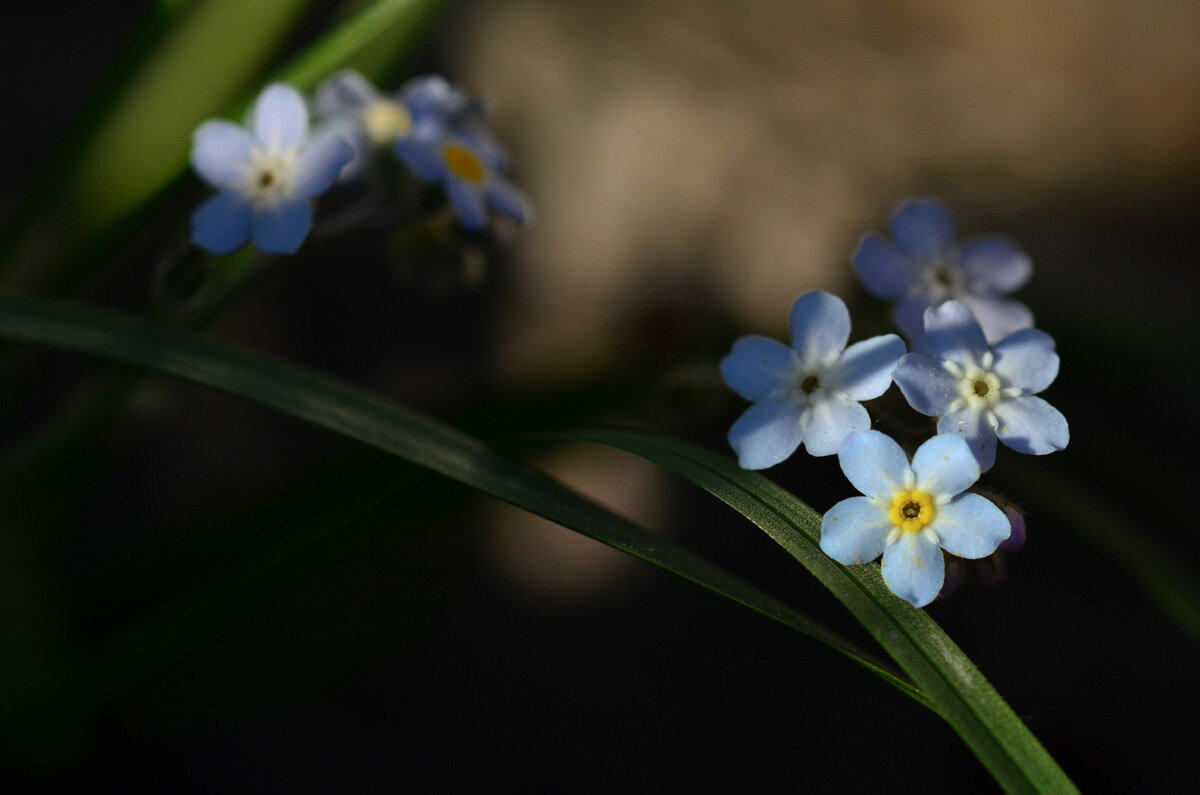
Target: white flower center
(386, 121)
(940, 280)
(267, 180)
(979, 388)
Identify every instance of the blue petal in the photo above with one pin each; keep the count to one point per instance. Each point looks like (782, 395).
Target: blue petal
(1026, 360)
(345, 92)
(431, 95)
(874, 464)
(320, 162)
(923, 227)
(853, 532)
(952, 334)
(766, 433)
(909, 317)
(1031, 425)
(828, 422)
(944, 466)
(913, 568)
(820, 326)
(467, 201)
(280, 118)
(507, 200)
(756, 366)
(970, 526)
(421, 156)
(222, 223)
(998, 317)
(865, 369)
(883, 271)
(926, 384)
(221, 153)
(994, 264)
(282, 229)
(976, 430)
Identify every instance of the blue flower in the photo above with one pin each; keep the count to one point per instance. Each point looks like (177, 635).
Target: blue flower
(808, 393)
(266, 175)
(983, 392)
(369, 117)
(468, 166)
(911, 512)
(924, 266)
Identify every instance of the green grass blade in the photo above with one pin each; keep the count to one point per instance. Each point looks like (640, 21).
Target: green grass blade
(379, 423)
(965, 698)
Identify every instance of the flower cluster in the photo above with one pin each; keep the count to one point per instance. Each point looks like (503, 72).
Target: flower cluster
(268, 172)
(976, 364)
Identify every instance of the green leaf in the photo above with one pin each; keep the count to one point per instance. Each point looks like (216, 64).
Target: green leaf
(961, 693)
(382, 424)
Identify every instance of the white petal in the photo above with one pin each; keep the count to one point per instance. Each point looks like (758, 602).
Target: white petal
(944, 465)
(854, 531)
(820, 326)
(766, 433)
(914, 568)
(874, 464)
(829, 421)
(970, 526)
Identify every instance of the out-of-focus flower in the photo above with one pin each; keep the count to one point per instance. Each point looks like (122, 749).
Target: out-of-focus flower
(924, 266)
(469, 171)
(369, 117)
(809, 393)
(911, 512)
(266, 176)
(983, 392)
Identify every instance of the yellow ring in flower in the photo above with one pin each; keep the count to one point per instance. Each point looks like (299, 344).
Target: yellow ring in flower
(911, 510)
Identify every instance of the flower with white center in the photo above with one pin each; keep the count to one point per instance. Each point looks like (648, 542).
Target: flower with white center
(370, 118)
(925, 266)
(266, 176)
(468, 167)
(809, 393)
(984, 392)
(911, 512)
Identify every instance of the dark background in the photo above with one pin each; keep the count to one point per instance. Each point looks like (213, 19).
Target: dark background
(441, 643)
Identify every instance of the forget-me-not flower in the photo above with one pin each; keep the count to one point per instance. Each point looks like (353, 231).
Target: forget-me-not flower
(266, 176)
(983, 392)
(809, 393)
(924, 266)
(468, 167)
(911, 512)
(370, 117)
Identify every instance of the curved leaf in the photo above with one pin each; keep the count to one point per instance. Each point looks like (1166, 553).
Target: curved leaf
(962, 694)
(380, 423)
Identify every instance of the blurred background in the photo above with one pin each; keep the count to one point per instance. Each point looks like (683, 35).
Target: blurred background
(328, 619)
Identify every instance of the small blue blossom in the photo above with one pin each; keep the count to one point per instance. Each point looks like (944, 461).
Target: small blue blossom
(911, 512)
(809, 393)
(266, 176)
(924, 266)
(370, 118)
(983, 392)
(468, 167)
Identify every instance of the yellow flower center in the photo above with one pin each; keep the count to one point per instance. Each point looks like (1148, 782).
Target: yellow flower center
(911, 510)
(463, 163)
(386, 121)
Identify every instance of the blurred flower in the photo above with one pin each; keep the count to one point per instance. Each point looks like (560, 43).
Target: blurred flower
(468, 167)
(266, 175)
(911, 512)
(983, 392)
(808, 393)
(369, 117)
(925, 267)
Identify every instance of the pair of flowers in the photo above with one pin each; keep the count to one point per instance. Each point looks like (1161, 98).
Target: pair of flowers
(268, 172)
(976, 365)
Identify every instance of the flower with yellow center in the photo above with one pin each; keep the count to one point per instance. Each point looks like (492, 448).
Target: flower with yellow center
(984, 392)
(809, 393)
(911, 512)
